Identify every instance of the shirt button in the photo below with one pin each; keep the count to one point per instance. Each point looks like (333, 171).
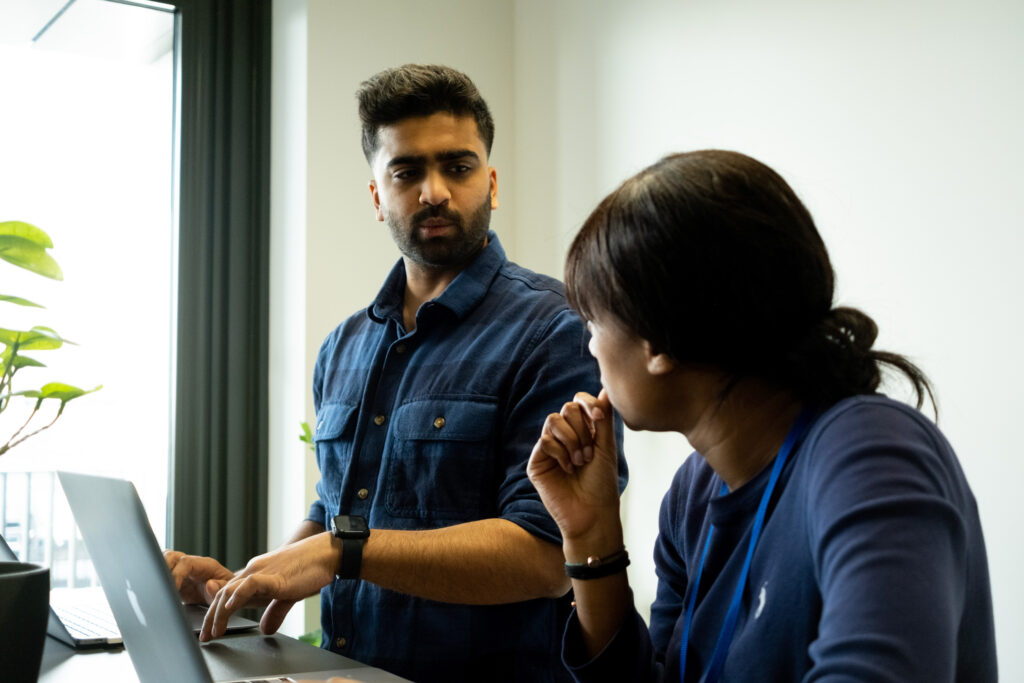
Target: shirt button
(438, 422)
(341, 642)
(379, 420)
(362, 493)
(400, 348)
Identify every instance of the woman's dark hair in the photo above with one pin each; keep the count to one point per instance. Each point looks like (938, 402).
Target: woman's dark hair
(419, 90)
(712, 258)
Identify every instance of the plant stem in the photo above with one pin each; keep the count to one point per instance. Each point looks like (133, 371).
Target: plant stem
(11, 443)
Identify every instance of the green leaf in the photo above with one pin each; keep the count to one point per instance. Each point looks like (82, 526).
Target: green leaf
(39, 338)
(18, 300)
(25, 245)
(306, 436)
(31, 393)
(26, 231)
(26, 362)
(54, 390)
(64, 392)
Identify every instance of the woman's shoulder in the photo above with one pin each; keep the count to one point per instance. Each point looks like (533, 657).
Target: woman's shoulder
(878, 442)
(873, 405)
(874, 418)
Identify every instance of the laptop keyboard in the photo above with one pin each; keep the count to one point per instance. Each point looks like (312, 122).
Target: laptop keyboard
(83, 622)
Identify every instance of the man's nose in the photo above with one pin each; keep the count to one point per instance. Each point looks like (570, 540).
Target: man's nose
(434, 191)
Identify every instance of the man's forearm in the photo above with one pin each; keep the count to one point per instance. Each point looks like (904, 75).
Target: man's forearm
(305, 530)
(486, 562)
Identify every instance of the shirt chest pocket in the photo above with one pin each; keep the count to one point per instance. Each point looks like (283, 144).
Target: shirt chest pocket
(335, 430)
(441, 461)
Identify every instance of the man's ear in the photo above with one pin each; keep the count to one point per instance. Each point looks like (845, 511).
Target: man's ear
(658, 363)
(375, 198)
(494, 187)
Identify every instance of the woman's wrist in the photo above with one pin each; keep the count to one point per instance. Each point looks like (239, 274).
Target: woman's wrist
(597, 543)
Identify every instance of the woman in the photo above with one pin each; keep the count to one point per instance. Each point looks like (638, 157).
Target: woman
(821, 531)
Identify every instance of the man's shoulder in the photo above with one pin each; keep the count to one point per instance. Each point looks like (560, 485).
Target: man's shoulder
(522, 281)
(353, 327)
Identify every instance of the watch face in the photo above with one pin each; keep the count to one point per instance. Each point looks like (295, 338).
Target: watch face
(351, 526)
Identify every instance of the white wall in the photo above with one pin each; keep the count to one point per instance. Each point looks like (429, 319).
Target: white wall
(897, 124)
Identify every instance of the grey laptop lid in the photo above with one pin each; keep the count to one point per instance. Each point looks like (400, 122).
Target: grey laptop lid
(146, 606)
(134, 577)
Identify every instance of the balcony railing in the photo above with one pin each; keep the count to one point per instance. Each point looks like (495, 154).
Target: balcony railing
(36, 522)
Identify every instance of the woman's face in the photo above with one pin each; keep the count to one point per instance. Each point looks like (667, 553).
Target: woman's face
(623, 359)
(651, 391)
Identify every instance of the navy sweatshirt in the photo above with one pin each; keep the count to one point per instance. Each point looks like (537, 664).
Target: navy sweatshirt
(871, 565)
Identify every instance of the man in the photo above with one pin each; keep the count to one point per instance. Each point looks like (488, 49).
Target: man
(428, 404)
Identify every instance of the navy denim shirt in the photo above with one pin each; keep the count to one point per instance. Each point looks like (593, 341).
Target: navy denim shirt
(433, 428)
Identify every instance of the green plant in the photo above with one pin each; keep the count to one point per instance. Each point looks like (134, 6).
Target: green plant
(306, 436)
(24, 245)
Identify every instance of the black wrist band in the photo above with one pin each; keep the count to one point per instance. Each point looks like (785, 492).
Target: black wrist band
(353, 532)
(351, 558)
(598, 567)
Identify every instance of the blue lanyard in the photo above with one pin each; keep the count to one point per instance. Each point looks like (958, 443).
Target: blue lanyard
(729, 626)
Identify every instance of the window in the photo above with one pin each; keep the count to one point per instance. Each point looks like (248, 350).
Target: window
(86, 154)
(217, 490)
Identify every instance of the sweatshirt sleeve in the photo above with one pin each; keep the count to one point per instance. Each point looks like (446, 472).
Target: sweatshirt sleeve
(885, 502)
(638, 653)
(627, 657)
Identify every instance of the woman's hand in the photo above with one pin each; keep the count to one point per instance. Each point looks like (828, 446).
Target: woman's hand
(574, 466)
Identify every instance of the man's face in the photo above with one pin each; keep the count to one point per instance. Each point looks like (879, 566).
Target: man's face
(433, 188)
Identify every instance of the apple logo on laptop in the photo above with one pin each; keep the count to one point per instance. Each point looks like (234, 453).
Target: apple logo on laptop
(135, 602)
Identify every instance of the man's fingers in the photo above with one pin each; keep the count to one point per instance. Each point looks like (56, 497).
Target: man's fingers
(274, 615)
(211, 588)
(235, 595)
(173, 559)
(221, 608)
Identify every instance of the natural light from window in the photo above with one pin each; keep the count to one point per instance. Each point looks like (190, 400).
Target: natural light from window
(86, 153)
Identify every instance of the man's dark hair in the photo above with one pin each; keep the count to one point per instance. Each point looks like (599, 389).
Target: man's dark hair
(712, 258)
(419, 90)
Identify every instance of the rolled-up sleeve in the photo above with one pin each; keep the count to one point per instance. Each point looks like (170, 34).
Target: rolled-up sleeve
(557, 366)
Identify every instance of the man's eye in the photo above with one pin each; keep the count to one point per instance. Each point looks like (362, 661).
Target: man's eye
(459, 169)
(406, 174)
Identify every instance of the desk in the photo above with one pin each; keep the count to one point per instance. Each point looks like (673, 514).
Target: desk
(228, 658)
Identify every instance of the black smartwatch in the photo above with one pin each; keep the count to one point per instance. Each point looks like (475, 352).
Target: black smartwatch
(353, 532)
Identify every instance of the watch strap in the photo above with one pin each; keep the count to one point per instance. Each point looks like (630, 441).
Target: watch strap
(351, 558)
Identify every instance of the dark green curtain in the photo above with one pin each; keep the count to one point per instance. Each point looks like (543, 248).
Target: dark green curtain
(219, 471)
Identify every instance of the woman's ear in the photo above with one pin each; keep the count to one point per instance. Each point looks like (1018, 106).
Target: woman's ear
(658, 363)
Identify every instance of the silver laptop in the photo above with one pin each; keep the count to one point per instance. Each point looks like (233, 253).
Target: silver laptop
(81, 617)
(78, 617)
(150, 615)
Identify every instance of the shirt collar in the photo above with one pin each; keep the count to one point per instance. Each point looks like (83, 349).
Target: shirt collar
(460, 297)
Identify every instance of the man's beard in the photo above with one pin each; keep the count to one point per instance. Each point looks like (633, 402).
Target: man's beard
(452, 251)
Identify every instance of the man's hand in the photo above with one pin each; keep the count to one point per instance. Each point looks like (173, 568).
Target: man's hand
(284, 576)
(196, 578)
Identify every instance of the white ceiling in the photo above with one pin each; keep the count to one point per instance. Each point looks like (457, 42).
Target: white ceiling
(21, 20)
(92, 27)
